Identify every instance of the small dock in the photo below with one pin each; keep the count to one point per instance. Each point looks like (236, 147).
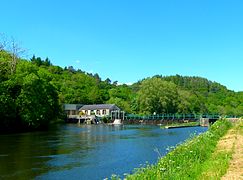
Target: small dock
(174, 127)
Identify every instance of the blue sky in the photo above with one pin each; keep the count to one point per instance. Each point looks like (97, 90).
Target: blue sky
(128, 40)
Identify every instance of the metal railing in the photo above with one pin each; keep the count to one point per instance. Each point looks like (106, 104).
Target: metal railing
(171, 116)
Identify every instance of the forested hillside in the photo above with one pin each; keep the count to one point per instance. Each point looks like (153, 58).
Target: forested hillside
(199, 95)
(32, 93)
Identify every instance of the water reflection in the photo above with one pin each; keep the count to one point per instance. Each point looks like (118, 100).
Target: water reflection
(76, 152)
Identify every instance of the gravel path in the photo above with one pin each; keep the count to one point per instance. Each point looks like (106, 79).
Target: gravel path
(234, 139)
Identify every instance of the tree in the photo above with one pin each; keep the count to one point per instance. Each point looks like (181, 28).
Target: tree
(47, 62)
(115, 83)
(122, 91)
(36, 61)
(27, 99)
(7, 109)
(5, 59)
(156, 95)
(3, 42)
(39, 62)
(97, 77)
(37, 102)
(124, 105)
(108, 81)
(188, 102)
(13, 48)
(16, 52)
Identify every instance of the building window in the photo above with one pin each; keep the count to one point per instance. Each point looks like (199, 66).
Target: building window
(92, 112)
(86, 112)
(98, 112)
(104, 111)
(73, 112)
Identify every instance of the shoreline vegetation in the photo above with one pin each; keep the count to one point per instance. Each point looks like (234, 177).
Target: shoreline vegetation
(200, 157)
(33, 91)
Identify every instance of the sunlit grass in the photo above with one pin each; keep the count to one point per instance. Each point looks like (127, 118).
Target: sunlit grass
(216, 166)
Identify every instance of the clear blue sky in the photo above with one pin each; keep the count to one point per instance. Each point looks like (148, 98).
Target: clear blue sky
(128, 40)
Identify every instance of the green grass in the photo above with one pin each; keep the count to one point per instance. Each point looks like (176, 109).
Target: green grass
(189, 160)
(216, 166)
(241, 127)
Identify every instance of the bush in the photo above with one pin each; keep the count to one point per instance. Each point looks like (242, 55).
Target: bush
(105, 119)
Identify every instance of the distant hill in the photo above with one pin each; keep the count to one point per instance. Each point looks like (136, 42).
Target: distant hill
(37, 77)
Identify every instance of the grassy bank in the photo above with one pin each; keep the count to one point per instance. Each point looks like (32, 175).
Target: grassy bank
(189, 160)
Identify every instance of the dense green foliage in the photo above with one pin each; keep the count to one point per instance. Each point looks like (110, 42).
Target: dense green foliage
(28, 101)
(32, 93)
(182, 94)
(186, 161)
(158, 96)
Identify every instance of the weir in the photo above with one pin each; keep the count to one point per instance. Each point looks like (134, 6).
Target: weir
(203, 119)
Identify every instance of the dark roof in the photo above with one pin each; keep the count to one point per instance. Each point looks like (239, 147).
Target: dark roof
(100, 106)
(68, 107)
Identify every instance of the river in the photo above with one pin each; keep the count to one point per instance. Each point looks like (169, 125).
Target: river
(86, 151)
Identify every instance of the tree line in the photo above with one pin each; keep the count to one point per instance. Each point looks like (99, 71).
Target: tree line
(33, 91)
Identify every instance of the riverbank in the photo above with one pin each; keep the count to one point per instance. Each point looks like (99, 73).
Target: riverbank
(194, 159)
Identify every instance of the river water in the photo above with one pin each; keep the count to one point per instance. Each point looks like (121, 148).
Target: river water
(86, 151)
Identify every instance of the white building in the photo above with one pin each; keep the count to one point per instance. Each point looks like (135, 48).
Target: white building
(99, 109)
